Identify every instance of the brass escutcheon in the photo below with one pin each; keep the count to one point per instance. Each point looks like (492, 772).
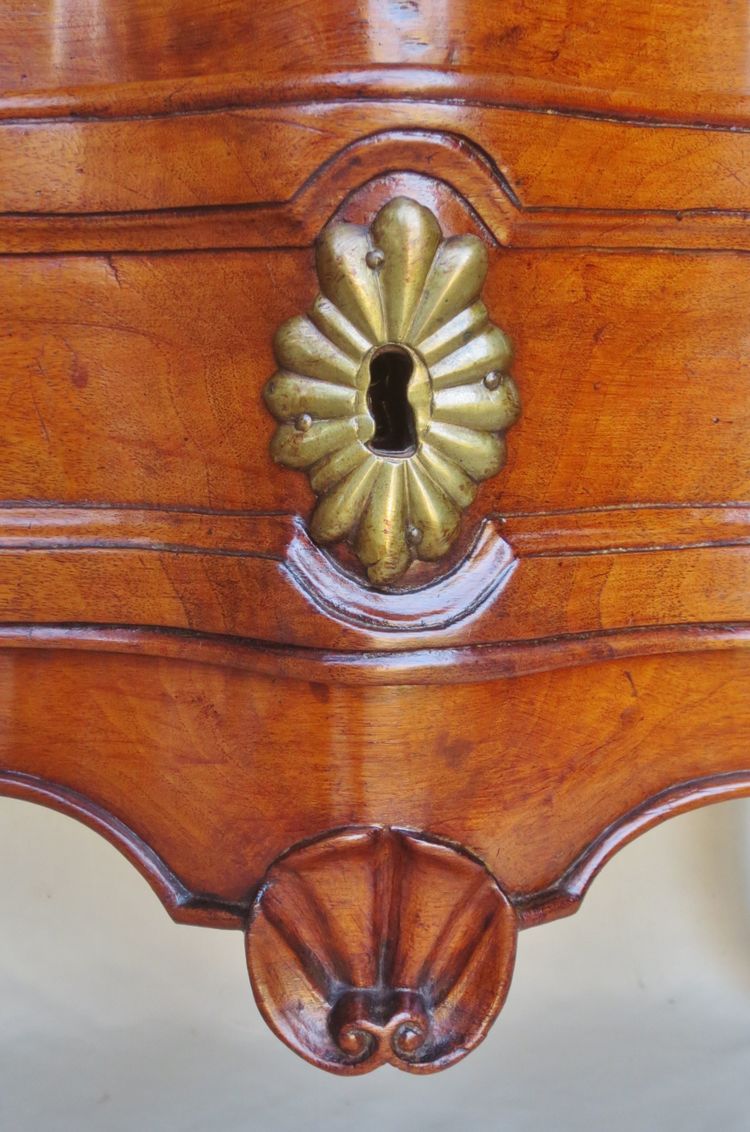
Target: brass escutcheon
(392, 392)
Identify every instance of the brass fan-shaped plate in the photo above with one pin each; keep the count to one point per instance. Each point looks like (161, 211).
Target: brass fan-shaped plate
(394, 289)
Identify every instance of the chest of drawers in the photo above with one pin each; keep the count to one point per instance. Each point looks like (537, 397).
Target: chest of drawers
(374, 470)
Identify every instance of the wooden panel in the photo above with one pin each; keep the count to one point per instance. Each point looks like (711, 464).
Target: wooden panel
(140, 379)
(137, 379)
(219, 771)
(674, 53)
(243, 156)
(181, 667)
(634, 375)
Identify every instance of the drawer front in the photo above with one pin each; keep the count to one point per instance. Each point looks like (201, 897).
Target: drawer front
(138, 342)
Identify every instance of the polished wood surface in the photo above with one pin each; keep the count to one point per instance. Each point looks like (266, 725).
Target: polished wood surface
(219, 771)
(412, 913)
(680, 54)
(238, 709)
(639, 351)
(242, 157)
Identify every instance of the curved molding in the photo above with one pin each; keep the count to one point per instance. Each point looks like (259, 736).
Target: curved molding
(481, 575)
(466, 664)
(403, 83)
(564, 896)
(182, 905)
(600, 530)
(53, 555)
(437, 158)
(619, 530)
(292, 222)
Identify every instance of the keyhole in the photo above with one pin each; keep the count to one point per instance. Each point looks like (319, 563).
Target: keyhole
(395, 432)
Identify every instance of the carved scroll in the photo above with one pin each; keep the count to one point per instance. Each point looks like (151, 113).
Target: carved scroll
(376, 945)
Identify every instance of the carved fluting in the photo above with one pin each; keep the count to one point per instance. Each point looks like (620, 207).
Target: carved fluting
(375, 945)
(392, 392)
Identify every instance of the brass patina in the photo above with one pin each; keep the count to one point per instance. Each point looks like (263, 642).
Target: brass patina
(395, 288)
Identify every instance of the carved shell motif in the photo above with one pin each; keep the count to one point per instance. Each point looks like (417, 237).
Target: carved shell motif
(375, 945)
(391, 391)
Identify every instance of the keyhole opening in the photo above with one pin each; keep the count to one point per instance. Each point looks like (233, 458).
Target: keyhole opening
(395, 431)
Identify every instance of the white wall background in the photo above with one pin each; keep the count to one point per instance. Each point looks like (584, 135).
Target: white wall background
(632, 1015)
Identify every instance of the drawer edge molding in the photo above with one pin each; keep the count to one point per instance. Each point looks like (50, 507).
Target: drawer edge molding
(201, 93)
(467, 664)
(260, 578)
(462, 592)
(482, 183)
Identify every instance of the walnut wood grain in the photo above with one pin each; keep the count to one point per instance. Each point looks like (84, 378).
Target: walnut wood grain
(240, 157)
(357, 170)
(673, 57)
(291, 593)
(219, 770)
(378, 784)
(465, 664)
(125, 356)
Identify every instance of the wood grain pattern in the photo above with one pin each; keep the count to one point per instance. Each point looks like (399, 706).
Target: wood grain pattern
(379, 785)
(291, 593)
(466, 664)
(677, 57)
(639, 355)
(356, 173)
(226, 157)
(220, 770)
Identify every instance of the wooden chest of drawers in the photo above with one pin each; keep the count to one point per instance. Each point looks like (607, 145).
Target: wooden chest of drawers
(374, 470)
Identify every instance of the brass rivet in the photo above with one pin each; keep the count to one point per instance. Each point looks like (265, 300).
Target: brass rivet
(375, 258)
(303, 422)
(413, 535)
(492, 379)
